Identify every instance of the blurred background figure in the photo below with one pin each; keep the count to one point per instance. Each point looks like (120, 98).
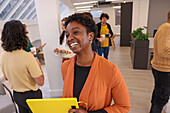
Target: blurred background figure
(64, 50)
(28, 49)
(95, 43)
(19, 67)
(161, 67)
(105, 32)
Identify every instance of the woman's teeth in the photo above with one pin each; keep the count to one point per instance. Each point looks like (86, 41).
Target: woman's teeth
(73, 44)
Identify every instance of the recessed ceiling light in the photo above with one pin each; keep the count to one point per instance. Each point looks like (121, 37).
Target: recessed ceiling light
(83, 7)
(117, 7)
(81, 3)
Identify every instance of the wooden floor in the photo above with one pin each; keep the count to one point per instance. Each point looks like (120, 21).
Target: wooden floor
(139, 82)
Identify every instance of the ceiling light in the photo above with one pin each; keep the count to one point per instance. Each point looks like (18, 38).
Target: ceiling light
(111, 0)
(117, 7)
(81, 3)
(83, 7)
(124, 1)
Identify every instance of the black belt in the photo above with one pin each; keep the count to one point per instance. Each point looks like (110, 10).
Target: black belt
(26, 91)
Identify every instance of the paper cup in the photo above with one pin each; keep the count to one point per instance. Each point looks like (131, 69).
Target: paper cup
(103, 36)
(33, 49)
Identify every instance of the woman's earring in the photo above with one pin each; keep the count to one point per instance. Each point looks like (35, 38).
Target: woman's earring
(90, 41)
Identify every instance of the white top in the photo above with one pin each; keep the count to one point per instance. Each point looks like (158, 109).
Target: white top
(65, 47)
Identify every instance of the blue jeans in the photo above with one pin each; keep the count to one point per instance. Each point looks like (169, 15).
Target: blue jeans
(104, 50)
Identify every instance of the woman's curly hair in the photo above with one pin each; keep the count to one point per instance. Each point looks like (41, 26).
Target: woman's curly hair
(14, 36)
(104, 15)
(84, 20)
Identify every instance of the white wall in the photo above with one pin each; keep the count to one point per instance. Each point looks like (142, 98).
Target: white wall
(49, 24)
(140, 13)
(33, 30)
(158, 11)
(48, 19)
(1, 26)
(1, 49)
(65, 11)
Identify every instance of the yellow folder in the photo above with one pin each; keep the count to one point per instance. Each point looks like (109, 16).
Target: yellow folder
(52, 105)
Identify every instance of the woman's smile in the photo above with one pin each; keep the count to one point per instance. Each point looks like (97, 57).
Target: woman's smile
(73, 44)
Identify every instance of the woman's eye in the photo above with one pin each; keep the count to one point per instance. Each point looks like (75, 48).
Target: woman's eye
(75, 32)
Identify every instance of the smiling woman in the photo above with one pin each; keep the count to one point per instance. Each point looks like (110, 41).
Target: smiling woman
(89, 77)
(78, 39)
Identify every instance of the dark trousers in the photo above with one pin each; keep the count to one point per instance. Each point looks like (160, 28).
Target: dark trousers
(21, 97)
(104, 50)
(161, 91)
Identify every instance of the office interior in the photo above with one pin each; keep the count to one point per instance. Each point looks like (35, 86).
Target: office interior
(43, 20)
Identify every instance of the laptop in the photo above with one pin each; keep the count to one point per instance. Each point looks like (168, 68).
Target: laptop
(52, 105)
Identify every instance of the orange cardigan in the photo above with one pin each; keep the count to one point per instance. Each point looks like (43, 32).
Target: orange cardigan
(103, 84)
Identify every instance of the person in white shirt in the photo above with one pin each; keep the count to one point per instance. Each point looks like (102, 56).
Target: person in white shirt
(63, 49)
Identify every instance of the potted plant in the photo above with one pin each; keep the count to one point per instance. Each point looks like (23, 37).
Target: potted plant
(139, 49)
(139, 35)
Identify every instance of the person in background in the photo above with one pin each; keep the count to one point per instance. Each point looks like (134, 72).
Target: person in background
(89, 77)
(19, 67)
(96, 43)
(30, 44)
(161, 67)
(104, 31)
(64, 49)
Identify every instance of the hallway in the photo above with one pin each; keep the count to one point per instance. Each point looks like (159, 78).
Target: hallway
(139, 82)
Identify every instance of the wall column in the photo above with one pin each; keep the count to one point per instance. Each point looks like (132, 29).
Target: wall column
(48, 17)
(140, 13)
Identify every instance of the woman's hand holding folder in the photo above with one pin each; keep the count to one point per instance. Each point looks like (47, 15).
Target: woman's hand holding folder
(79, 110)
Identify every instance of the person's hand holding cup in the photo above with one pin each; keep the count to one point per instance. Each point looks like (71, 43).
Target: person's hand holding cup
(107, 34)
(102, 39)
(33, 50)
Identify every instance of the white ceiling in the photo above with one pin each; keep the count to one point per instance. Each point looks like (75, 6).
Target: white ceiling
(69, 3)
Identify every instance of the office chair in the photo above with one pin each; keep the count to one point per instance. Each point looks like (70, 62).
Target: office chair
(7, 104)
